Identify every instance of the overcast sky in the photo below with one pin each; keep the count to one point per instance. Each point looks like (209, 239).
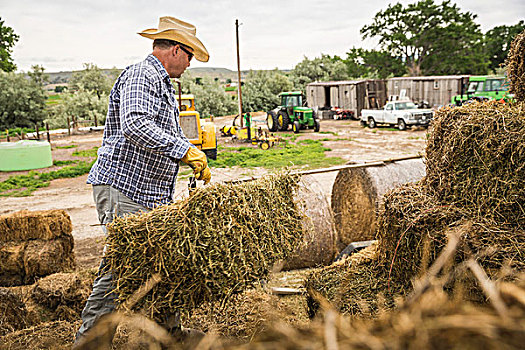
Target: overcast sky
(63, 34)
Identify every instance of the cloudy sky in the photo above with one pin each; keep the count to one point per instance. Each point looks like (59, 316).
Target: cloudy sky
(63, 34)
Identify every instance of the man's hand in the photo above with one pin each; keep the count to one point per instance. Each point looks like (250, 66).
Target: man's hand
(196, 159)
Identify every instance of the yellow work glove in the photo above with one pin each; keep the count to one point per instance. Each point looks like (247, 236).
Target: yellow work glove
(196, 159)
(204, 175)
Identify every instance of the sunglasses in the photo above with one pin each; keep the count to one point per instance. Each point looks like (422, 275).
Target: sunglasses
(188, 52)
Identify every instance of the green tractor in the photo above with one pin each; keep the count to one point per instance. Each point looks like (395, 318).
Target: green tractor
(292, 111)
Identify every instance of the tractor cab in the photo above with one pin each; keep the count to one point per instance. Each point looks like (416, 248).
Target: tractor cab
(292, 111)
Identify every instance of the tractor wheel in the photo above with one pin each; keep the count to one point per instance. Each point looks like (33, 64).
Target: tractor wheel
(283, 120)
(401, 125)
(296, 127)
(271, 121)
(317, 125)
(371, 123)
(264, 145)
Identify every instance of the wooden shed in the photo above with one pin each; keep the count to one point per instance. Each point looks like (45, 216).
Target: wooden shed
(436, 90)
(351, 95)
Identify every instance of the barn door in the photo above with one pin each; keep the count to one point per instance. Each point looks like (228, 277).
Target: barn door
(334, 96)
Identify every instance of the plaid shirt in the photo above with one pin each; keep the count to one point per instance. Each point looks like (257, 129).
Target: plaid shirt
(143, 140)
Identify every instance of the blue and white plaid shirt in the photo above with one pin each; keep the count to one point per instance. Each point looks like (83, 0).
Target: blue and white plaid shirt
(143, 140)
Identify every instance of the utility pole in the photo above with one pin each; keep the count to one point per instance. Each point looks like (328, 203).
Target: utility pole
(239, 91)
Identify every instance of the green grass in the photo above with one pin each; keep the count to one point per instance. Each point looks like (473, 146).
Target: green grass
(64, 162)
(54, 99)
(86, 153)
(309, 153)
(328, 132)
(66, 147)
(17, 131)
(24, 185)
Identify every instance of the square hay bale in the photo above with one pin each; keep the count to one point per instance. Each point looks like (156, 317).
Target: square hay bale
(12, 263)
(26, 225)
(476, 160)
(216, 243)
(13, 312)
(42, 258)
(357, 285)
(61, 290)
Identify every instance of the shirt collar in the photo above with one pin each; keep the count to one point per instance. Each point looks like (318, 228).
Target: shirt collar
(154, 61)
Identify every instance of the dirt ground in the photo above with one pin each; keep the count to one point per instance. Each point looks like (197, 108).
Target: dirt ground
(350, 142)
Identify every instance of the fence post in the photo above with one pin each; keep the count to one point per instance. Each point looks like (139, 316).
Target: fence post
(48, 136)
(7, 133)
(37, 131)
(68, 127)
(96, 122)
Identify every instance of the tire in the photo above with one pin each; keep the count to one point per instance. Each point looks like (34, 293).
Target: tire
(317, 125)
(271, 121)
(283, 120)
(371, 123)
(264, 145)
(211, 153)
(296, 127)
(401, 125)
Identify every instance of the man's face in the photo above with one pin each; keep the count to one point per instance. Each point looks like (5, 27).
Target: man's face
(179, 60)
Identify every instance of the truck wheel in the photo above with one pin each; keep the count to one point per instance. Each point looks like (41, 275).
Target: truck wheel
(283, 120)
(401, 125)
(264, 145)
(371, 123)
(271, 121)
(317, 125)
(296, 127)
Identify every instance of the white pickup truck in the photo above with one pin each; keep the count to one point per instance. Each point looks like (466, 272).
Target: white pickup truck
(399, 113)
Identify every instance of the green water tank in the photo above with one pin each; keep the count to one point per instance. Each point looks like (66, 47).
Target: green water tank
(25, 155)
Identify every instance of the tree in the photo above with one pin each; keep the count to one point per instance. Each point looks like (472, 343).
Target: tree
(81, 104)
(374, 64)
(497, 43)
(22, 101)
(210, 97)
(261, 90)
(324, 68)
(430, 38)
(38, 76)
(8, 38)
(91, 79)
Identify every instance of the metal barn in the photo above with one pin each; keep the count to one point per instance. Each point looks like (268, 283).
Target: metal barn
(352, 95)
(436, 90)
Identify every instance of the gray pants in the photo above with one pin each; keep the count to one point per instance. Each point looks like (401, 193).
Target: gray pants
(110, 203)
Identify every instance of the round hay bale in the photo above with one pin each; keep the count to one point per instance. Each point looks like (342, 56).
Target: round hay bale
(12, 271)
(26, 225)
(475, 160)
(319, 244)
(42, 258)
(515, 65)
(13, 312)
(357, 193)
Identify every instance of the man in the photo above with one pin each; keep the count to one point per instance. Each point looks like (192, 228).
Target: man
(143, 143)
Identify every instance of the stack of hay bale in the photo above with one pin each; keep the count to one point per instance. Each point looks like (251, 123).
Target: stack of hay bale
(474, 184)
(34, 244)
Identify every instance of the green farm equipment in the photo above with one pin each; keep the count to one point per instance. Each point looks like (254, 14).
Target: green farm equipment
(292, 111)
(483, 88)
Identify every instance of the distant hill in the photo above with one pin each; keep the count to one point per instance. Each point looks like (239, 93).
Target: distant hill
(222, 74)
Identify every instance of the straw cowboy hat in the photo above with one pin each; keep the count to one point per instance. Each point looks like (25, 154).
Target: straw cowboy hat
(172, 28)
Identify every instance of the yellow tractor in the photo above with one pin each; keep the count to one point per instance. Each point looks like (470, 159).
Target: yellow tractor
(200, 133)
(249, 133)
